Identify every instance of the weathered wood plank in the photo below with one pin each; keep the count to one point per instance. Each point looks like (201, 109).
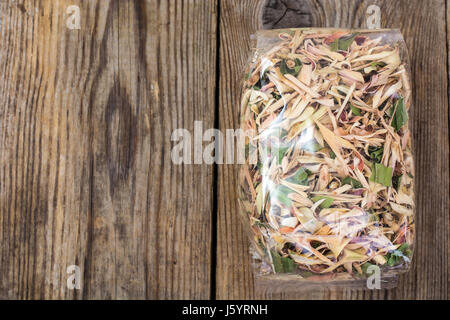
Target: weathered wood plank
(448, 72)
(85, 171)
(425, 34)
(238, 19)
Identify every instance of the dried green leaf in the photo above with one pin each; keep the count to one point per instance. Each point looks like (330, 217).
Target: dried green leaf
(401, 115)
(288, 265)
(276, 259)
(281, 193)
(376, 153)
(332, 154)
(284, 69)
(353, 182)
(396, 180)
(343, 43)
(356, 111)
(280, 153)
(366, 266)
(381, 174)
(326, 204)
(300, 177)
(282, 264)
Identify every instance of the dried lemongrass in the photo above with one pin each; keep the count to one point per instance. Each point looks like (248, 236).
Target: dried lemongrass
(332, 190)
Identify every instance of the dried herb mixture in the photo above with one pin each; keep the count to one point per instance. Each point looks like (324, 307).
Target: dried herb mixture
(328, 184)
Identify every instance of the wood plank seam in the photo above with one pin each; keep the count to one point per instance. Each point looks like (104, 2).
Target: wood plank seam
(215, 169)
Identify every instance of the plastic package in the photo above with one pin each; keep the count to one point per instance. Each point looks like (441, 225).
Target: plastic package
(327, 190)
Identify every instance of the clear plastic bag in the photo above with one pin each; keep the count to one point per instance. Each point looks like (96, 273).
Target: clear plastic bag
(327, 190)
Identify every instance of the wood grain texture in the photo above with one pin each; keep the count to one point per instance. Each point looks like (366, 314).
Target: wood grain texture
(238, 19)
(424, 28)
(286, 14)
(448, 90)
(85, 122)
(85, 172)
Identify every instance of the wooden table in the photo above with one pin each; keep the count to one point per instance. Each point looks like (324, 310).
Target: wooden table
(86, 118)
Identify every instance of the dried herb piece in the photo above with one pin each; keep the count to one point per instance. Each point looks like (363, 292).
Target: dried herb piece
(280, 153)
(376, 153)
(276, 260)
(282, 264)
(381, 174)
(288, 265)
(396, 257)
(312, 147)
(281, 193)
(401, 115)
(332, 155)
(343, 43)
(300, 177)
(396, 180)
(365, 267)
(326, 204)
(377, 64)
(356, 111)
(353, 182)
(284, 69)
